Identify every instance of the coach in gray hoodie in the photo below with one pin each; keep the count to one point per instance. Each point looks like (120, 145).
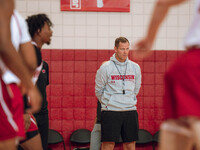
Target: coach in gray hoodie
(118, 82)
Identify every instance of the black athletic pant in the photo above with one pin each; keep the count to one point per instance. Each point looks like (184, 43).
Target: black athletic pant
(43, 126)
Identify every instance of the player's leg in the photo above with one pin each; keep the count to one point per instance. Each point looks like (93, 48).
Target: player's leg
(175, 136)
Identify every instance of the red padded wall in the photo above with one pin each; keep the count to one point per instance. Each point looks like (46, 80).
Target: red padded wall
(71, 96)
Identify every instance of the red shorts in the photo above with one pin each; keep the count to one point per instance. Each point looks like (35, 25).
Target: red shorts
(8, 126)
(18, 109)
(32, 130)
(182, 86)
(33, 125)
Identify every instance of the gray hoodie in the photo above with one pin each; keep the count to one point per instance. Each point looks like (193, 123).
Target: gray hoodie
(109, 85)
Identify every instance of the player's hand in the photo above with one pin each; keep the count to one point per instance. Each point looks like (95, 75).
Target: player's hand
(22, 88)
(142, 49)
(27, 121)
(35, 99)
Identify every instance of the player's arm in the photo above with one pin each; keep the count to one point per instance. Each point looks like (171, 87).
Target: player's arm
(160, 11)
(10, 56)
(13, 61)
(28, 54)
(8, 53)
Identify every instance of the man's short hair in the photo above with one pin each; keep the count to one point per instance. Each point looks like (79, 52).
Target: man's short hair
(120, 39)
(36, 22)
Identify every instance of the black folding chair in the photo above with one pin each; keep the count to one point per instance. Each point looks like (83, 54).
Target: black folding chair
(54, 137)
(144, 137)
(80, 136)
(155, 139)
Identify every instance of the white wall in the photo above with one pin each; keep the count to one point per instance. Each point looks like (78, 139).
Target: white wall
(98, 30)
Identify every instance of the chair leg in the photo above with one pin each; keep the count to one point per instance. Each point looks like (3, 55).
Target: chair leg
(64, 145)
(154, 146)
(70, 148)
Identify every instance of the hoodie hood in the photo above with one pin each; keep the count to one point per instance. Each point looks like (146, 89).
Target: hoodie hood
(113, 58)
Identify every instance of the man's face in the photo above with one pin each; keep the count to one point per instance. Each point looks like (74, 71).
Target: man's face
(46, 34)
(121, 52)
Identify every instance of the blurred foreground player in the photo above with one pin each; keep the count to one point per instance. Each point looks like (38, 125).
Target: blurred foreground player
(13, 61)
(181, 130)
